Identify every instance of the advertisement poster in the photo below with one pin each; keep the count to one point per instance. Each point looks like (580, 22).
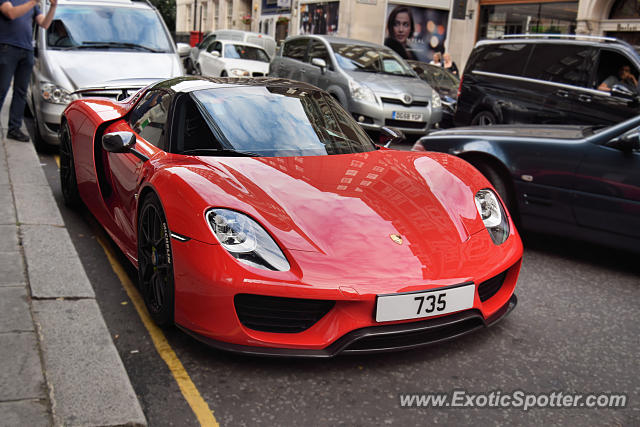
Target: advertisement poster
(319, 18)
(416, 32)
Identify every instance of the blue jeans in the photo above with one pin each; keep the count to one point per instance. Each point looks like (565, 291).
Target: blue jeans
(16, 64)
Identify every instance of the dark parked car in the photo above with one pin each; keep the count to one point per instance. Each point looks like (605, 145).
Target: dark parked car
(577, 181)
(445, 83)
(548, 79)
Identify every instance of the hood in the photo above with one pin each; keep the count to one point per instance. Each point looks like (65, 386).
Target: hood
(81, 69)
(246, 64)
(342, 210)
(389, 84)
(519, 131)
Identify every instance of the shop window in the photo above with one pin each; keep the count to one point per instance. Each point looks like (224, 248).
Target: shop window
(527, 18)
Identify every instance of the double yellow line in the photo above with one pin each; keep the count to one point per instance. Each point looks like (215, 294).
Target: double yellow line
(191, 394)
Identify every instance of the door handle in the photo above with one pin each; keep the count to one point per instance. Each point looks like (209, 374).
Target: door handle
(562, 93)
(584, 98)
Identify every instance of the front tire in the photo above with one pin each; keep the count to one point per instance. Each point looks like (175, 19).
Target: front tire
(68, 180)
(155, 261)
(484, 118)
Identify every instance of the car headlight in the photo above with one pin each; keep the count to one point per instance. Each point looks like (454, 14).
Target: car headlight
(55, 94)
(362, 92)
(246, 240)
(436, 102)
(239, 72)
(493, 215)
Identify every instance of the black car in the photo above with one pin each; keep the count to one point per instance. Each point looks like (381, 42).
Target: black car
(547, 79)
(579, 181)
(445, 83)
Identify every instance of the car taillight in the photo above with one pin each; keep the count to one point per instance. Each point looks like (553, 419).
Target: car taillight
(460, 87)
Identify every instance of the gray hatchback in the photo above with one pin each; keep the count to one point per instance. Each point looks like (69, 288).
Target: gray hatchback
(371, 81)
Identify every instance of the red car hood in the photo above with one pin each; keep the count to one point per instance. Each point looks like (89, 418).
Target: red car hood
(348, 206)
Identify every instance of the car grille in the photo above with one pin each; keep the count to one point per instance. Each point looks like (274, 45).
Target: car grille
(278, 314)
(400, 102)
(257, 74)
(490, 287)
(405, 124)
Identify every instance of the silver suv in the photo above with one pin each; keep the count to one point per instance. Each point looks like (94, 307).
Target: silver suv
(371, 81)
(96, 48)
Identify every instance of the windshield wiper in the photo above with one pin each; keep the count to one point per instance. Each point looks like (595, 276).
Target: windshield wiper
(219, 152)
(85, 45)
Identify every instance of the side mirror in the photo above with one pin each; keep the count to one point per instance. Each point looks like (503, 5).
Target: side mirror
(621, 91)
(628, 142)
(183, 49)
(119, 142)
(390, 135)
(319, 62)
(215, 53)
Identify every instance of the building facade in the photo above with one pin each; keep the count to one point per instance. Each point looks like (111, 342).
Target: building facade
(438, 25)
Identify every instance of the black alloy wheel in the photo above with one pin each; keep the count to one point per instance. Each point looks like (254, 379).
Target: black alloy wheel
(155, 261)
(68, 181)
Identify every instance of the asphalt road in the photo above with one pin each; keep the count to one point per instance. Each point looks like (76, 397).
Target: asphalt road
(575, 330)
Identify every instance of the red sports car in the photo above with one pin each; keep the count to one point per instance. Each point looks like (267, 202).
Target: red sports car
(262, 219)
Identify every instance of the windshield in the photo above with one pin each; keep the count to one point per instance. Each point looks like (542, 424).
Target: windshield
(241, 51)
(107, 27)
(438, 77)
(279, 121)
(370, 59)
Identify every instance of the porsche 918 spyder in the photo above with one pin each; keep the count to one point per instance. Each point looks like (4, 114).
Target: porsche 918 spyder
(262, 219)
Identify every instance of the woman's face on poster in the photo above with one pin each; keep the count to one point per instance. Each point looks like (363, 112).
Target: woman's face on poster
(402, 27)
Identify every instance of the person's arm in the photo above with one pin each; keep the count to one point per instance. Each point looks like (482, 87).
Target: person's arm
(45, 21)
(13, 12)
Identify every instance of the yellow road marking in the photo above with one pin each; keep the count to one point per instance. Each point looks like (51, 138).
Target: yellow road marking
(191, 394)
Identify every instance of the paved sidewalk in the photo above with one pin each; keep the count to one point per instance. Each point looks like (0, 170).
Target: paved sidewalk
(59, 364)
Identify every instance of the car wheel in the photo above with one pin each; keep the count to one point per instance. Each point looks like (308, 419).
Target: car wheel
(196, 70)
(68, 180)
(484, 118)
(188, 65)
(38, 141)
(155, 261)
(501, 186)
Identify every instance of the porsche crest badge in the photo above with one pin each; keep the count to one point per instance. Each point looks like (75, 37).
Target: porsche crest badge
(396, 238)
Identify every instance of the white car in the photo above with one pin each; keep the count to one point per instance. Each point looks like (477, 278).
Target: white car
(232, 58)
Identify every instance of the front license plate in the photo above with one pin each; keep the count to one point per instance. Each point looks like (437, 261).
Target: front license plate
(404, 115)
(417, 305)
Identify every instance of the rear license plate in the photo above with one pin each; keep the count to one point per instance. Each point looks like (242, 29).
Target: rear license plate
(404, 115)
(418, 305)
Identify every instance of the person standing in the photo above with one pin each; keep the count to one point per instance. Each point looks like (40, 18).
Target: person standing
(437, 59)
(449, 65)
(16, 54)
